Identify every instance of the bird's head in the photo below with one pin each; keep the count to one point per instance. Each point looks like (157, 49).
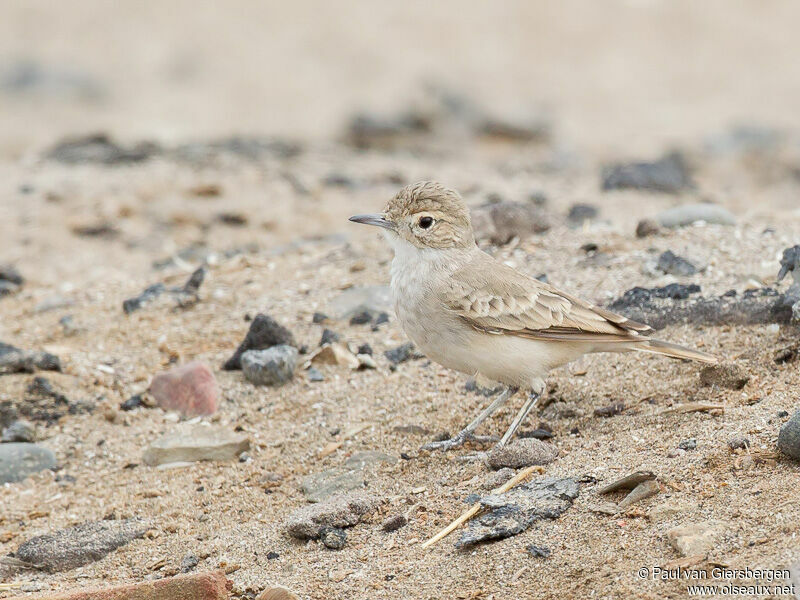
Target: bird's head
(426, 215)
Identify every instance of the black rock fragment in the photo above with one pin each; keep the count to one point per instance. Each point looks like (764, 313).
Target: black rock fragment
(101, 149)
(14, 360)
(184, 296)
(669, 174)
(148, 295)
(264, 332)
(402, 353)
(672, 264)
(516, 510)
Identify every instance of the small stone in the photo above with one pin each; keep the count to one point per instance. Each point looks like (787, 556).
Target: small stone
(789, 437)
(684, 215)
(320, 486)
(135, 401)
(363, 317)
(538, 551)
(18, 460)
(394, 522)
(146, 297)
(319, 317)
(196, 442)
(522, 453)
(644, 490)
(334, 354)
(273, 366)
(329, 337)
(343, 510)
(315, 375)
(671, 264)
(581, 213)
(277, 593)
(646, 228)
(77, 546)
(497, 478)
(539, 434)
(613, 409)
(11, 274)
(273, 556)
(628, 482)
(365, 361)
(726, 375)
(669, 174)
(695, 538)
(739, 443)
(690, 444)
(190, 389)
(364, 349)
(19, 431)
(189, 562)
(99, 148)
(516, 510)
(402, 353)
(14, 360)
(333, 537)
(264, 333)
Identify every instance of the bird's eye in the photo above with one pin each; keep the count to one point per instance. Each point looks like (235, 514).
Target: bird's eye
(426, 222)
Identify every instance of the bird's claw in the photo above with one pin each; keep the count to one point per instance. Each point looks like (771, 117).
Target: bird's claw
(458, 440)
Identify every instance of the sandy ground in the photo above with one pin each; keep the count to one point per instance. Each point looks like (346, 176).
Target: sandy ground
(300, 253)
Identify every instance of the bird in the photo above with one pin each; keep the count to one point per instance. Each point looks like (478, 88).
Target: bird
(469, 312)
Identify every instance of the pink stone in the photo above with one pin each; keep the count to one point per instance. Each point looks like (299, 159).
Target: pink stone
(190, 389)
(198, 586)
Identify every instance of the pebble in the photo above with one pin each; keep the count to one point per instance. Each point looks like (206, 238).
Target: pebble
(264, 333)
(14, 360)
(329, 337)
(695, 538)
(581, 213)
(669, 174)
(727, 375)
(76, 546)
(18, 460)
(189, 562)
(646, 228)
(394, 522)
(690, 444)
(522, 453)
(319, 317)
(402, 353)
(365, 361)
(277, 593)
(364, 349)
(342, 510)
(11, 274)
(789, 437)
(19, 431)
(613, 409)
(315, 375)
(497, 478)
(273, 366)
(538, 551)
(684, 215)
(516, 510)
(672, 264)
(194, 442)
(334, 354)
(99, 148)
(190, 389)
(628, 482)
(333, 537)
(739, 443)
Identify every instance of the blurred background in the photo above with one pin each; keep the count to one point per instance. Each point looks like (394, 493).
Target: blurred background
(622, 75)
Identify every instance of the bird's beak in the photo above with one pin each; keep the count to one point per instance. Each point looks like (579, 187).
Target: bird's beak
(377, 220)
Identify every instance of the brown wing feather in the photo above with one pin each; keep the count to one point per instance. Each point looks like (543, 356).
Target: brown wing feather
(495, 298)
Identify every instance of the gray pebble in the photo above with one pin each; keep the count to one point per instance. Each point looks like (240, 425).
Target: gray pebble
(273, 366)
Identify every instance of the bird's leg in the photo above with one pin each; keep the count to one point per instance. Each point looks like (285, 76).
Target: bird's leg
(533, 397)
(468, 432)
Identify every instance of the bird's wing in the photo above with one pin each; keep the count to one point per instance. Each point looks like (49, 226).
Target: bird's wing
(495, 298)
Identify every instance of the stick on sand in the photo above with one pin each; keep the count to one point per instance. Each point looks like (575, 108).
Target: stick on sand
(473, 510)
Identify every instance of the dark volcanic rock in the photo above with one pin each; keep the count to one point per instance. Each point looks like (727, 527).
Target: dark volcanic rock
(657, 307)
(14, 360)
(669, 174)
(77, 546)
(148, 295)
(184, 296)
(580, 213)
(402, 353)
(516, 510)
(264, 333)
(672, 264)
(333, 537)
(100, 148)
(10, 274)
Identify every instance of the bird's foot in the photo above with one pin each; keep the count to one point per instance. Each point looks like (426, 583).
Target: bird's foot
(458, 440)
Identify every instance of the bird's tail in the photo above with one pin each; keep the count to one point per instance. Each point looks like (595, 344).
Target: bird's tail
(675, 351)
